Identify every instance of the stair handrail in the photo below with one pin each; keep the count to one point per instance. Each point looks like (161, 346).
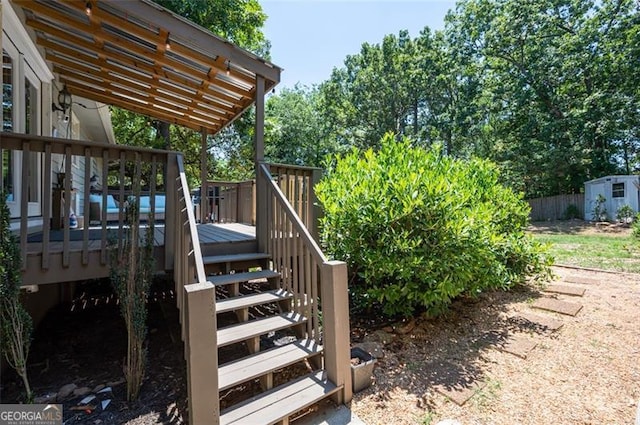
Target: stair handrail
(197, 304)
(330, 277)
(291, 214)
(187, 204)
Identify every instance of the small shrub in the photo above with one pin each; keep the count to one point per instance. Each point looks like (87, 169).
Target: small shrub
(131, 274)
(15, 323)
(625, 214)
(418, 228)
(636, 227)
(599, 211)
(571, 212)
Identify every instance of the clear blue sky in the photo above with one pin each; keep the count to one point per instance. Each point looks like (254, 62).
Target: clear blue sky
(311, 37)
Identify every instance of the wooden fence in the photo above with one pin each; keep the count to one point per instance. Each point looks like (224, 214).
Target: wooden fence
(555, 207)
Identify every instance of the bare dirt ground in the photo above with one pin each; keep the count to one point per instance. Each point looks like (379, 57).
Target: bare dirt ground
(580, 227)
(587, 372)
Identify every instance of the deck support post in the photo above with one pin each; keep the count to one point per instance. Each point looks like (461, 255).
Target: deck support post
(202, 354)
(261, 186)
(171, 219)
(204, 174)
(335, 304)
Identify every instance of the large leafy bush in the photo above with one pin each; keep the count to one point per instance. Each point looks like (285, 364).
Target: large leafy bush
(418, 228)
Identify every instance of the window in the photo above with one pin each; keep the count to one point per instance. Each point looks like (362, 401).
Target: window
(617, 190)
(7, 123)
(7, 92)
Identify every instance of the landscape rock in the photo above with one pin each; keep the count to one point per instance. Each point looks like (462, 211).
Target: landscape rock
(66, 391)
(379, 336)
(405, 328)
(45, 399)
(372, 347)
(79, 392)
(97, 388)
(116, 383)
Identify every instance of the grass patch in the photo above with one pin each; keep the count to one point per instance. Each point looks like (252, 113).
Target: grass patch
(599, 251)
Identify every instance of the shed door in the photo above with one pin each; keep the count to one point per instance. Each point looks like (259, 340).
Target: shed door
(594, 190)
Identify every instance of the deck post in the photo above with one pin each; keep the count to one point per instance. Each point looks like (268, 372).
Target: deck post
(314, 208)
(202, 354)
(171, 211)
(261, 187)
(204, 174)
(335, 307)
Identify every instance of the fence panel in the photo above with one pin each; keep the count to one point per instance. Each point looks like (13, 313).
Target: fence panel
(555, 207)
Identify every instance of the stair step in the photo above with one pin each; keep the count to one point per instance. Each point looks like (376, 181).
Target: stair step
(274, 405)
(246, 301)
(227, 279)
(234, 258)
(232, 374)
(253, 328)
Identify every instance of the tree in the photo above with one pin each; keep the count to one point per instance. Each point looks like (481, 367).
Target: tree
(551, 73)
(295, 132)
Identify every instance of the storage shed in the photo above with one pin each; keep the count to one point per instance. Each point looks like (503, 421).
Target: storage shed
(617, 191)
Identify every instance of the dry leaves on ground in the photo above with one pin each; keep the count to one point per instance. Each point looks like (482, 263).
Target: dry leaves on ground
(587, 372)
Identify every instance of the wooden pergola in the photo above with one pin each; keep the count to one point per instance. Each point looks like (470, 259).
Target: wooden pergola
(144, 58)
(140, 56)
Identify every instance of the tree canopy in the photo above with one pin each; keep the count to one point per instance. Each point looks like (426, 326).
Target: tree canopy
(545, 88)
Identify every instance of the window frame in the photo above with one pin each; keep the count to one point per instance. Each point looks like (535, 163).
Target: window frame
(615, 191)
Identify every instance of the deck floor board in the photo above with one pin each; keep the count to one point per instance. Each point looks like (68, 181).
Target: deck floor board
(207, 233)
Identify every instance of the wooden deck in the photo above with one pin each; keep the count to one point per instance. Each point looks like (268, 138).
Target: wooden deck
(215, 239)
(208, 233)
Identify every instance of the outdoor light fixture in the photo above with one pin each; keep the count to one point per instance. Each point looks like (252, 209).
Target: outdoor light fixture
(64, 100)
(228, 67)
(168, 42)
(88, 8)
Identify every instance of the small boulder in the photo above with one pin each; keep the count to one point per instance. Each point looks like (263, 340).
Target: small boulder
(45, 399)
(79, 392)
(379, 336)
(373, 348)
(116, 383)
(97, 388)
(66, 391)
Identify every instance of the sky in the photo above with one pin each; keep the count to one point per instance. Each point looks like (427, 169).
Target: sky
(311, 37)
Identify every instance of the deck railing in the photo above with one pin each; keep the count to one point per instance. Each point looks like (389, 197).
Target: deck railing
(297, 183)
(229, 202)
(317, 284)
(99, 221)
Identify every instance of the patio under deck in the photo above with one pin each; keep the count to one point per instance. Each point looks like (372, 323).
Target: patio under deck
(215, 239)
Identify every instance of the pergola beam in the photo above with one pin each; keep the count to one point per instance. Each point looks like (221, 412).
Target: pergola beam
(138, 55)
(210, 45)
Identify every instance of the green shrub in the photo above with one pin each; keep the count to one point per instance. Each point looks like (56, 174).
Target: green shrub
(625, 214)
(636, 227)
(418, 228)
(571, 212)
(599, 211)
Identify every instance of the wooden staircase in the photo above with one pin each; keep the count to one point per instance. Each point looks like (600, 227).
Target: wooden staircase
(268, 322)
(254, 308)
